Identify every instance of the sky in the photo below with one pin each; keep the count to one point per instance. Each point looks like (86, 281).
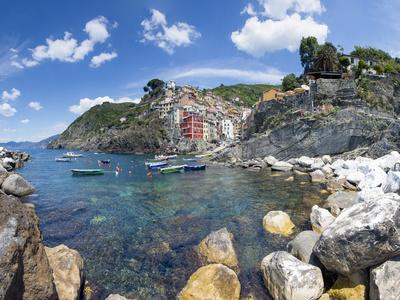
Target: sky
(59, 58)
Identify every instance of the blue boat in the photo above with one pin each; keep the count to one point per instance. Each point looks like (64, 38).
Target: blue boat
(195, 167)
(156, 165)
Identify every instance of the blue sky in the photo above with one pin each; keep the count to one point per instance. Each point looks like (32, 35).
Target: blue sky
(59, 58)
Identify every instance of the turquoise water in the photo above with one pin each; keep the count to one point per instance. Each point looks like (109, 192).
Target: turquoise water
(138, 234)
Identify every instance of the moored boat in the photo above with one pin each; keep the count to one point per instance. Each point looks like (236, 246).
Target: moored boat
(195, 167)
(87, 172)
(165, 157)
(156, 165)
(190, 159)
(72, 155)
(63, 159)
(172, 169)
(104, 161)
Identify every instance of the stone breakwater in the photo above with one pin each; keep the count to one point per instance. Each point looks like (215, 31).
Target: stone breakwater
(28, 269)
(351, 250)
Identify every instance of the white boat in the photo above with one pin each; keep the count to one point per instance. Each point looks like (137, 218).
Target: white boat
(165, 157)
(63, 159)
(71, 155)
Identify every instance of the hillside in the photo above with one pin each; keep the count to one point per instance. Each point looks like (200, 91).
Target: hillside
(249, 94)
(29, 145)
(111, 127)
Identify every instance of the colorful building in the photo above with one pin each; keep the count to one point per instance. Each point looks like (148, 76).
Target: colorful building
(192, 125)
(227, 129)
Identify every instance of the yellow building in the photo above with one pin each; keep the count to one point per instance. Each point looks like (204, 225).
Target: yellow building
(272, 94)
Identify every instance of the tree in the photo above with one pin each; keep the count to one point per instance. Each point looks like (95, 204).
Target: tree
(379, 69)
(344, 62)
(362, 65)
(308, 50)
(326, 59)
(290, 82)
(369, 53)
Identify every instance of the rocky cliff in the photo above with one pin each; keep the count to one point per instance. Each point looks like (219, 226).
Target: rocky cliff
(343, 120)
(110, 127)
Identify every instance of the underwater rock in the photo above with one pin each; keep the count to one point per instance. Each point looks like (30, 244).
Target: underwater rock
(214, 281)
(278, 222)
(67, 265)
(217, 247)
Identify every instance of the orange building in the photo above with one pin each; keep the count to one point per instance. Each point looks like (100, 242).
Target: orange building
(273, 94)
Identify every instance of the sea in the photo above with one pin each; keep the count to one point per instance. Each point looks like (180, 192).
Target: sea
(138, 232)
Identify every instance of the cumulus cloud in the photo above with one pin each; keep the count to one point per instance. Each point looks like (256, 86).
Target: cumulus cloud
(7, 110)
(87, 103)
(35, 105)
(25, 121)
(249, 9)
(280, 25)
(100, 59)
(12, 95)
(68, 49)
(157, 31)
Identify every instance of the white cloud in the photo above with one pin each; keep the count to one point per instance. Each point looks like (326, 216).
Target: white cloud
(12, 95)
(157, 31)
(68, 49)
(87, 103)
(35, 105)
(279, 9)
(249, 9)
(25, 121)
(254, 76)
(258, 37)
(100, 59)
(7, 110)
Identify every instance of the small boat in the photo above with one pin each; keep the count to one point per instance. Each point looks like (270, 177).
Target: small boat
(104, 161)
(165, 157)
(63, 159)
(87, 172)
(156, 165)
(172, 169)
(203, 155)
(195, 167)
(71, 155)
(190, 159)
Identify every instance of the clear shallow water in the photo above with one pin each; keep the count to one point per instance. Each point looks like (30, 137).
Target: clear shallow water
(138, 234)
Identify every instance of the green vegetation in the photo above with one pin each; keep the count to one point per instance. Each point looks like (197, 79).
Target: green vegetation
(248, 94)
(369, 53)
(365, 89)
(308, 51)
(153, 89)
(327, 59)
(290, 82)
(97, 220)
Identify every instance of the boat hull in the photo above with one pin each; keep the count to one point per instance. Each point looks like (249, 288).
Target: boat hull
(195, 168)
(87, 172)
(173, 169)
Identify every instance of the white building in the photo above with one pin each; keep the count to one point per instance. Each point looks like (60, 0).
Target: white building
(227, 129)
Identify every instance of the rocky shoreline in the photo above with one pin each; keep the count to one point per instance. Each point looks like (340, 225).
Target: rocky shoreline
(350, 251)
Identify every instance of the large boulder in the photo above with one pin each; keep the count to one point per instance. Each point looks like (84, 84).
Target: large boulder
(270, 160)
(355, 177)
(25, 272)
(392, 184)
(217, 247)
(362, 236)
(288, 278)
(341, 200)
(372, 179)
(320, 218)
(278, 222)
(214, 281)
(16, 185)
(302, 246)
(385, 280)
(67, 265)
(305, 161)
(116, 297)
(282, 166)
(317, 176)
(388, 161)
(3, 174)
(326, 159)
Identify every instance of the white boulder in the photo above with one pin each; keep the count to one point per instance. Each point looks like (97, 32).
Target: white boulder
(355, 177)
(16, 185)
(282, 166)
(392, 184)
(320, 218)
(288, 278)
(270, 160)
(305, 161)
(385, 280)
(326, 159)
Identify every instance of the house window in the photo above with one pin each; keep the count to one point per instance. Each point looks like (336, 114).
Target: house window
(352, 60)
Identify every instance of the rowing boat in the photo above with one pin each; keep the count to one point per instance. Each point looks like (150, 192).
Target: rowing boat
(104, 161)
(156, 165)
(87, 171)
(62, 159)
(172, 169)
(195, 167)
(71, 154)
